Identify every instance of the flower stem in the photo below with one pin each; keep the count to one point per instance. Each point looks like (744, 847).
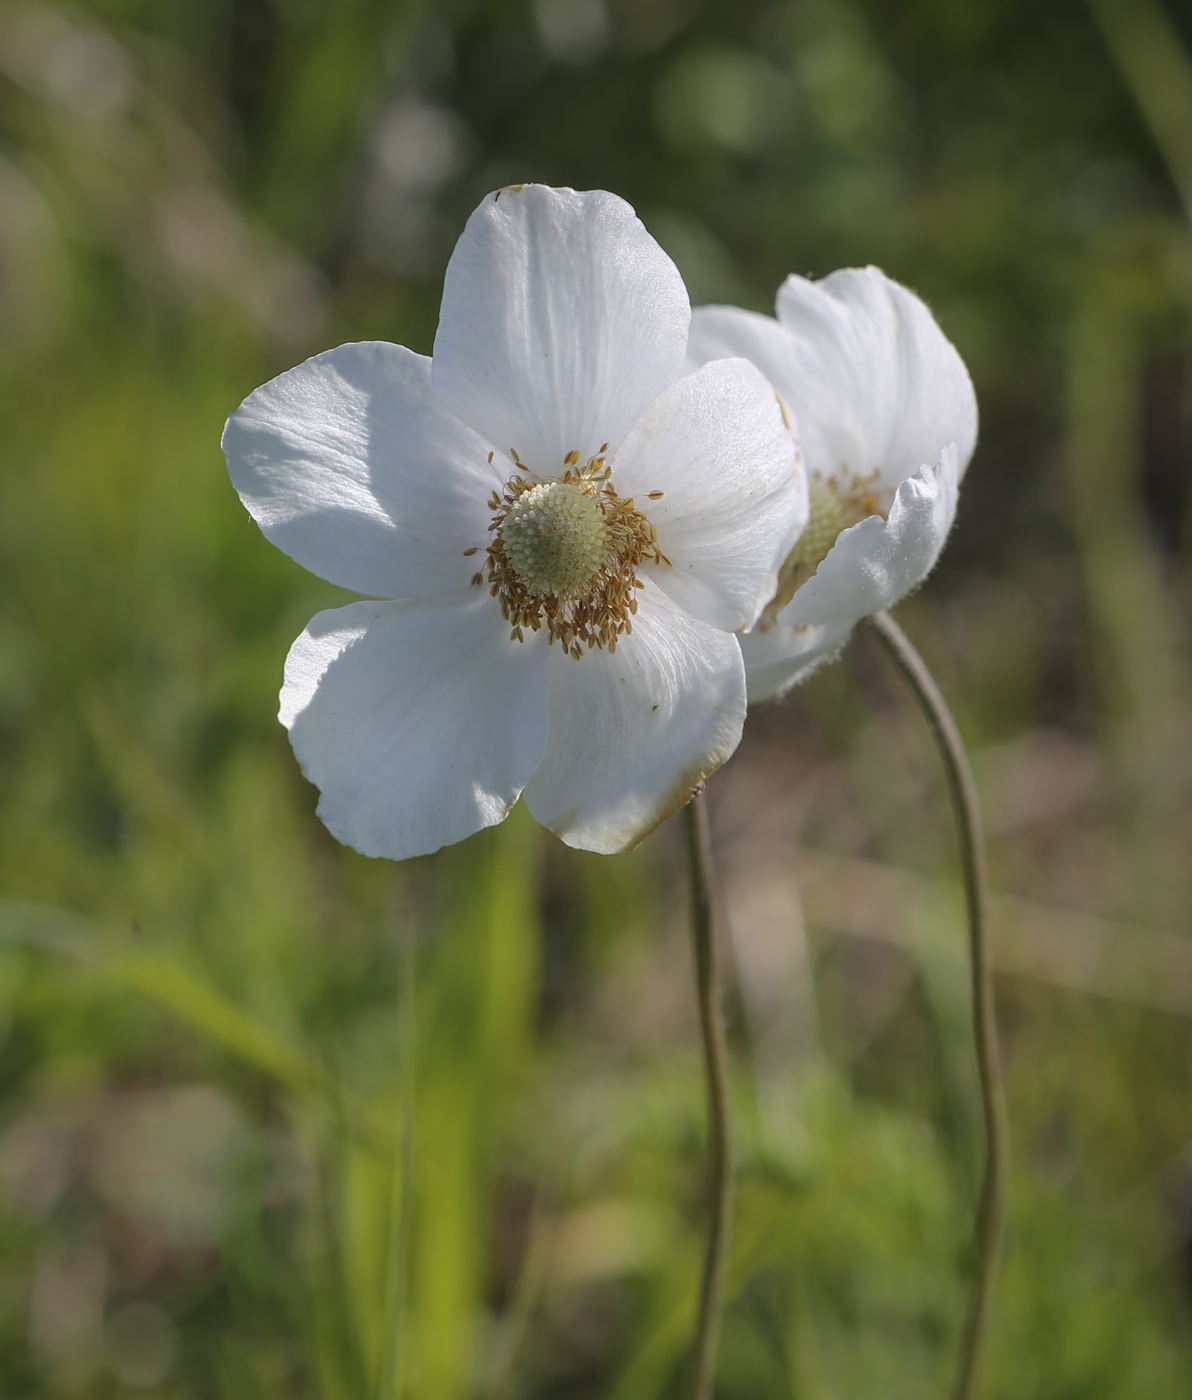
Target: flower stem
(967, 811)
(720, 1144)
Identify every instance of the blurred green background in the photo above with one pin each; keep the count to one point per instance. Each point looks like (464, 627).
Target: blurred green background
(279, 1121)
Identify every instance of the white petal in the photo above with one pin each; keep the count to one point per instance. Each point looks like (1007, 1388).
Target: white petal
(874, 564)
(875, 383)
(734, 497)
(350, 465)
(782, 656)
(419, 722)
(632, 735)
(562, 319)
(722, 332)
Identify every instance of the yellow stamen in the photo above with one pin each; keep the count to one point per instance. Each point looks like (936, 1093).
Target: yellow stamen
(565, 556)
(832, 509)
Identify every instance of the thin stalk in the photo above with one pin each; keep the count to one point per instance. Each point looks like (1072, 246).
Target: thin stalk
(967, 811)
(720, 1143)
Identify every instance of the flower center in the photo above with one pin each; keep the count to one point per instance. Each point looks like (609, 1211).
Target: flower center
(825, 521)
(565, 555)
(831, 510)
(555, 537)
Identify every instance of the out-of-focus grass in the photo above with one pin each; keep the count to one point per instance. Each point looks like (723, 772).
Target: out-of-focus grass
(276, 1120)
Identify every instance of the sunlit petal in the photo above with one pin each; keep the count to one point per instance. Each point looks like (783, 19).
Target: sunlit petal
(723, 332)
(350, 465)
(419, 722)
(875, 385)
(562, 320)
(874, 564)
(730, 495)
(633, 733)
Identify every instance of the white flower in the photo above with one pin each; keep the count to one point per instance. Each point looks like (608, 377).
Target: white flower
(572, 531)
(887, 421)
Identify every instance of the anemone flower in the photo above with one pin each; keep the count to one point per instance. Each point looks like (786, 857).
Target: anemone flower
(887, 421)
(560, 529)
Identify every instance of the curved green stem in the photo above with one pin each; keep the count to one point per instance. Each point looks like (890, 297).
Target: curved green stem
(720, 1144)
(967, 810)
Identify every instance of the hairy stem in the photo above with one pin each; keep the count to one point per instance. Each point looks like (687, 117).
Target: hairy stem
(720, 1145)
(967, 811)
